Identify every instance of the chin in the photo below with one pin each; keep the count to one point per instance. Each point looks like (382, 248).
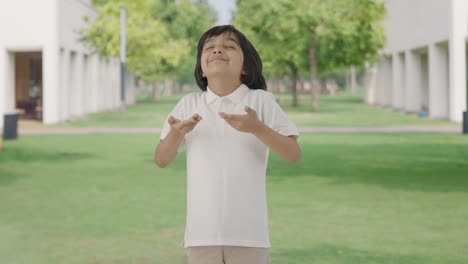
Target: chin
(219, 73)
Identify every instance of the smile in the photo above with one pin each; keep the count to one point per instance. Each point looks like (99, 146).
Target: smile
(216, 59)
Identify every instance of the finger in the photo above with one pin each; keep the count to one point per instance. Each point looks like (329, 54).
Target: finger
(172, 120)
(194, 120)
(248, 110)
(223, 115)
(229, 116)
(196, 117)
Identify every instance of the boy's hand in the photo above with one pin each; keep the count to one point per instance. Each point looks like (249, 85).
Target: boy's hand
(244, 123)
(184, 126)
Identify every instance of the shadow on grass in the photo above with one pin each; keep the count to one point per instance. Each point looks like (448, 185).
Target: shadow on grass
(422, 167)
(327, 253)
(15, 156)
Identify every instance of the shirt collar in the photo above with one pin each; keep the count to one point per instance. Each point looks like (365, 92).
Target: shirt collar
(235, 97)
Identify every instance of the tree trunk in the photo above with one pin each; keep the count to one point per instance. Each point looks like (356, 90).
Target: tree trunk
(314, 88)
(168, 87)
(293, 83)
(348, 81)
(282, 90)
(353, 80)
(178, 86)
(275, 84)
(269, 85)
(156, 91)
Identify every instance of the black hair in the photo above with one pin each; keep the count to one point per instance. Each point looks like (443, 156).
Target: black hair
(253, 76)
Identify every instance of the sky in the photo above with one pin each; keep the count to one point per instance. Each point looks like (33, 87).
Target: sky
(224, 9)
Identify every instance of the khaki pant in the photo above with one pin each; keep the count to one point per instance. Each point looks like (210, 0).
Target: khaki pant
(228, 255)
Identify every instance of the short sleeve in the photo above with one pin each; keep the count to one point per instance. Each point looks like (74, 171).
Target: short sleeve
(276, 119)
(177, 112)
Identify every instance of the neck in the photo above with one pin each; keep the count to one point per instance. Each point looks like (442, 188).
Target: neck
(223, 86)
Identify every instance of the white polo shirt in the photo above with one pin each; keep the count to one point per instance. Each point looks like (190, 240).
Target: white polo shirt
(226, 190)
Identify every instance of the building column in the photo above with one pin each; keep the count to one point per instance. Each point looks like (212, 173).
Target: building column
(72, 88)
(78, 85)
(64, 85)
(94, 82)
(398, 81)
(104, 82)
(438, 82)
(3, 82)
(112, 87)
(457, 59)
(116, 82)
(388, 82)
(7, 83)
(51, 84)
(412, 86)
(370, 83)
(85, 85)
(101, 88)
(380, 83)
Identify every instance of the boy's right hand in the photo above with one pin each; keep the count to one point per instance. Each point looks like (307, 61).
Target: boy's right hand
(184, 126)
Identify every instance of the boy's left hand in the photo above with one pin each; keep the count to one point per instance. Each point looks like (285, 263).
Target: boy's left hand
(245, 123)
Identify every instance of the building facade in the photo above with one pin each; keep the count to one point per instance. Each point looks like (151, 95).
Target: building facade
(46, 73)
(423, 67)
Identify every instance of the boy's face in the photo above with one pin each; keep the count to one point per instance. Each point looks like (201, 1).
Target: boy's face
(222, 57)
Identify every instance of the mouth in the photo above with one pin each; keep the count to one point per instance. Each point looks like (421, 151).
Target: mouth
(216, 59)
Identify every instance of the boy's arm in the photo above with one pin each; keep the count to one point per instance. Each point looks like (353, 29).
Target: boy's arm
(285, 146)
(167, 148)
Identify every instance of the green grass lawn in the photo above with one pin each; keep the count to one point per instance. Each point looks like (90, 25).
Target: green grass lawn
(343, 110)
(359, 198)
(349, 110)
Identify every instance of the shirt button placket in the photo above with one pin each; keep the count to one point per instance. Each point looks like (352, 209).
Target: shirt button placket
(222, 153)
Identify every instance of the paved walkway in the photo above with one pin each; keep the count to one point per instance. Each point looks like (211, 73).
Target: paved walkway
(146, 130)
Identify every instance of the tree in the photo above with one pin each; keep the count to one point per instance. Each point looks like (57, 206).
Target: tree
(331, 34)
(149, 46)
(186, 20)
(341, 33)
(275, 35)
(159, 34)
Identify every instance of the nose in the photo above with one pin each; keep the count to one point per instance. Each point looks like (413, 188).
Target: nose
(217, 50)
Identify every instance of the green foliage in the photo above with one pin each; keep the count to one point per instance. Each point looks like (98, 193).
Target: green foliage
(160, 34)
(344, 32)
(351, 36)
(186, 21)
(274, 32)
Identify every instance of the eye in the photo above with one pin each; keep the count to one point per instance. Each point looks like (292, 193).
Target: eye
(208, 48)
(229, 47)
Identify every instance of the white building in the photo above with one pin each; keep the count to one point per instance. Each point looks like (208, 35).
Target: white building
(45, 72)
(423, 67)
